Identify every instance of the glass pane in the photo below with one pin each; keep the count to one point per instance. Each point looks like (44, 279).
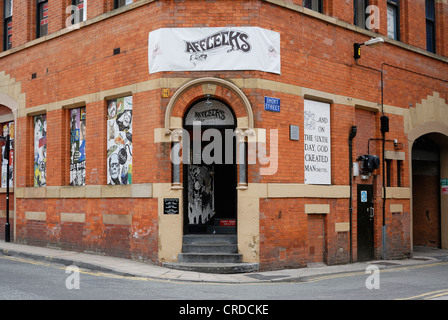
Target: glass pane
(360, 15)
(430, 43)
(430, 9)
(43, 19)
(121, 3)
(391, 22)
(8, 38)
(8, 8)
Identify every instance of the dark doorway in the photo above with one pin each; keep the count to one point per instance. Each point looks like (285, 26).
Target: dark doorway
(210, 195)
(365, 222)
(426, 186)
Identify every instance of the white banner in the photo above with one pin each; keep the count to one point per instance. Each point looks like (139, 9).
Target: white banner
(207, 49)
(317, 142)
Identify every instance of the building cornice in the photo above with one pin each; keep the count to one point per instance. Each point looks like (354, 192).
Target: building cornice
(283, 4)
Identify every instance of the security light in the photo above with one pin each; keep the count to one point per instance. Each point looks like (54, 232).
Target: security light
(374, 42)
(370, 43)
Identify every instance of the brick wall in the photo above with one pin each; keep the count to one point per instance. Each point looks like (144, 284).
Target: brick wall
(315, 54)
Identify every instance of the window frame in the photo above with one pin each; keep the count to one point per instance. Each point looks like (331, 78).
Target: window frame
(356, 12)
(83, 15)
(7, 25)
(40, 4)
(315, 5)
(395, 5)
(118, 5)
(430, 21)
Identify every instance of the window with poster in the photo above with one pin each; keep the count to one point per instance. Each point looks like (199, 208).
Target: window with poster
(393, 19)
(8, 129)
(7, 25)
(40, 150)
(42, 18)
(119, 141)
(78, 146)
(80, 13)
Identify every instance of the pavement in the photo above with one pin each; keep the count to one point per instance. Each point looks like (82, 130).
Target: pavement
(126, 267)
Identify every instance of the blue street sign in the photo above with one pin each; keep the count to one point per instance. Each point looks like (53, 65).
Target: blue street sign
(271, 104)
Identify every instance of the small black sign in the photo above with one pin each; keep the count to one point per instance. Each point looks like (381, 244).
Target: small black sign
(171, 206)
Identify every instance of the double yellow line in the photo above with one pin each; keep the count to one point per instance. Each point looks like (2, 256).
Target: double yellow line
(428, 295)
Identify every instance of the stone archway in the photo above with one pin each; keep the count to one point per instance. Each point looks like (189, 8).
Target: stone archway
(248, 222)
(430, 119)
(214, 87)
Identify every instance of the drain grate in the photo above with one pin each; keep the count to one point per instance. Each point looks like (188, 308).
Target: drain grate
(383, 263)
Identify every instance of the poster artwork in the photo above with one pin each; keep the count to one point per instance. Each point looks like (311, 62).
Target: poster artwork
(8, 128)
(119, 141)
(317, 142)
(40, 150)
(201, 207)
(78, 147)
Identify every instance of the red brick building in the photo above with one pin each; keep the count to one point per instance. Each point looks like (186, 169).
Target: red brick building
(102, 93)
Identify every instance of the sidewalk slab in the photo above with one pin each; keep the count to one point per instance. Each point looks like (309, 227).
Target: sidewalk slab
(127, 267)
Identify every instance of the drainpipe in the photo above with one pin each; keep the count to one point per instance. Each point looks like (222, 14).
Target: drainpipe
(351, 136)
(384, 129)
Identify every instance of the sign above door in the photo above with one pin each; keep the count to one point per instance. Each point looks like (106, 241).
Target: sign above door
(210, 112)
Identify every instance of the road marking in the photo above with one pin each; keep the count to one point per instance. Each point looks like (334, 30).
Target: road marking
(428, 295)
(307, 280)
(359, 273)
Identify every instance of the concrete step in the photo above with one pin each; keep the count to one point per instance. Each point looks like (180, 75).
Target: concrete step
(210, 257)
(221, 229)
(210, 248)
(219, 268)
(210, 239)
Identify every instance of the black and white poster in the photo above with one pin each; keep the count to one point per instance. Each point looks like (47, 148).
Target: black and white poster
(202, 49)
(201, 206)
(78, 147)
(119, 141)
(8, 128)
(317, 142)
(40, 150)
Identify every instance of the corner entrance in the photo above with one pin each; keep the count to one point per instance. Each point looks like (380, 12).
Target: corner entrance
(210, 175)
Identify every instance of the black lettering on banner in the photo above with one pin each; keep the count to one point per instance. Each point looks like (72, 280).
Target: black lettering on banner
(238, 40)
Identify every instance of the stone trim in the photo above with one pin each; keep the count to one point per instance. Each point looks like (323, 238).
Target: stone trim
(317, 208)
(89, 191)
(36, 216)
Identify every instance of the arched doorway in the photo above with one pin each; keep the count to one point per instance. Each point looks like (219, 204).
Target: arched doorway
(210, 173)
(430, 188)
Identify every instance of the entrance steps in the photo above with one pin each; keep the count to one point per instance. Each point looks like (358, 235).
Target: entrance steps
(216, 253)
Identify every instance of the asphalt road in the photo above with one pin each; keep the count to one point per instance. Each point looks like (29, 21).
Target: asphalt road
(24, 279)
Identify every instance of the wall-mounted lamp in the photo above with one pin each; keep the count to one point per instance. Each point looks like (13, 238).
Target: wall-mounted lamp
(371, 43)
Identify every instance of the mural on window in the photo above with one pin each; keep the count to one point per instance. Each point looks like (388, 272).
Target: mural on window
(119, 141)
(8, 128)
(40, 150)
(78, 147)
